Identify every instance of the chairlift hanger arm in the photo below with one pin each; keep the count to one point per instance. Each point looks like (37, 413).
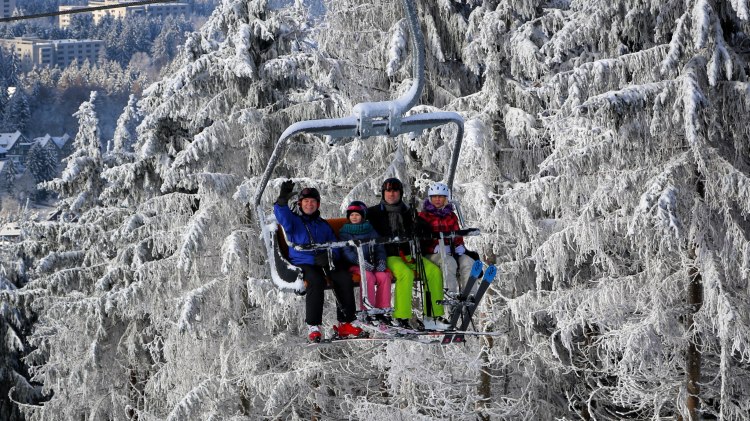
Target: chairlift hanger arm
(351, 126)
(83, 10)
(385, 118)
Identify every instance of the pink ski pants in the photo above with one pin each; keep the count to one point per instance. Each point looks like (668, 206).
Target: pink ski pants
(378, 287)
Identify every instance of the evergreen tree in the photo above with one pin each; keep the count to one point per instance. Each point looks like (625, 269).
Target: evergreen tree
(4, 99)
(9, 67)
(613, 197)
(125, 134)
(626, 232)
(42, 163)
(14, 325)
(17, 111)
(10, 176)
(80, 184)
(165, 45)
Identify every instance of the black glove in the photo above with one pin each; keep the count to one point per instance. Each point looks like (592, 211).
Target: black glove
(322, 260)
(285, 192)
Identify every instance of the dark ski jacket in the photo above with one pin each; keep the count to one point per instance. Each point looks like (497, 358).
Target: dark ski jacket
(378, 217)
(304, 229)
(350, 253)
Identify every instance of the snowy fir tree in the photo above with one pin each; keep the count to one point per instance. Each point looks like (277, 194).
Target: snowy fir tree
(41, 162)
(17, 112)
(14, 326)
(605, 159)
(125, 135)
(80, 184)
(10, 176)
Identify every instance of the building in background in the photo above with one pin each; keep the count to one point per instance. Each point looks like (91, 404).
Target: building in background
(6, 8)
(35, 52)
(64, 20)
(156, 9)
(13, 146)
(62, 145)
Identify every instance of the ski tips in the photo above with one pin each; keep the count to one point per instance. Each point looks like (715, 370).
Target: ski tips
(489, 274)
(476, 268)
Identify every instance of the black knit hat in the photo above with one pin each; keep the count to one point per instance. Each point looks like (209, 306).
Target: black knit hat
(309, 192)
(392, 184)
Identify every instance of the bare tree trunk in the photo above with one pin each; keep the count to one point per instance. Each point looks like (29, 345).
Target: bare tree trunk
(485, 380)
(693, 355)
(695, 301)
(134, 394)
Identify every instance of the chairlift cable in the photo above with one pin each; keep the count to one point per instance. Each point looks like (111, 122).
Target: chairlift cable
(83, 10)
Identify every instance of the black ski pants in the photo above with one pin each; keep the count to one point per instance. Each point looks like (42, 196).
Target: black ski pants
(343, 288)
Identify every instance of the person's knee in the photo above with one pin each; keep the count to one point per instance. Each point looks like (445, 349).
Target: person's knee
(432, 271)
(405, 278)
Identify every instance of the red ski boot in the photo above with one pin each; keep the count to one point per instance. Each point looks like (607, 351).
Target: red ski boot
(313, 334)
(347, 330)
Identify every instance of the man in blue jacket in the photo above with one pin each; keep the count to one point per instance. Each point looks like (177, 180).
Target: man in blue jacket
(305, 227)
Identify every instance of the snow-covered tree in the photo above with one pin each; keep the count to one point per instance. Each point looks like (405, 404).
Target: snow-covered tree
(17, 112)
(80, 184)
(125, 134)
(10, 176)
(14, 326)
(598, 160)
(629, 240)
(42, 163)
(189, 281)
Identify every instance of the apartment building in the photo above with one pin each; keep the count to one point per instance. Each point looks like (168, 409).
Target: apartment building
(43, 52)
(64, 20)
(6, 8)
(155, 9)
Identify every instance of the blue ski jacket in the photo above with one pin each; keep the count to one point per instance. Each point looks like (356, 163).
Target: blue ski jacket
(350, 253)
(304, 229)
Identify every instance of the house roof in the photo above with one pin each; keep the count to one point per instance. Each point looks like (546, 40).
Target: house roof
(7, 140)
(43, 140)
(10, 230)
(59, 141)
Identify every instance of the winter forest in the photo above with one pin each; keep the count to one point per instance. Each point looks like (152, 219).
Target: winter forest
(605, 159)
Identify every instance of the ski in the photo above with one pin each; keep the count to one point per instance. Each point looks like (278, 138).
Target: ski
(422, 336)
(470, 308)
(462, 300)
(337, 340)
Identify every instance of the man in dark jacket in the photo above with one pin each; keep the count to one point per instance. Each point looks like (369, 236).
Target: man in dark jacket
(307, 227)
(392, 218)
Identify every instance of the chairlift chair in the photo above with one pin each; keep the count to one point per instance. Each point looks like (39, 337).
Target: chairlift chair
(384, 118)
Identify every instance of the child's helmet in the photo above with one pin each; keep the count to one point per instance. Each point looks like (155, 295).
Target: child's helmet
(356, 206)
(439, 189)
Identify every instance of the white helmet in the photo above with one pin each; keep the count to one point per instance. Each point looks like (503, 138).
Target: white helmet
(439, 189)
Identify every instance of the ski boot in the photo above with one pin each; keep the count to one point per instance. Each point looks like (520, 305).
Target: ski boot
(383, 319)
(313, 334)
(402, 323)
(432, 323)
(347, 330)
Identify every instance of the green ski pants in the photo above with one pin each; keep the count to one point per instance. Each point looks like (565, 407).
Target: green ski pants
(404, 276)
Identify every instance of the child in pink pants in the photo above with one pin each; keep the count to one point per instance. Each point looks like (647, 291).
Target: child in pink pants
(378, 278)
